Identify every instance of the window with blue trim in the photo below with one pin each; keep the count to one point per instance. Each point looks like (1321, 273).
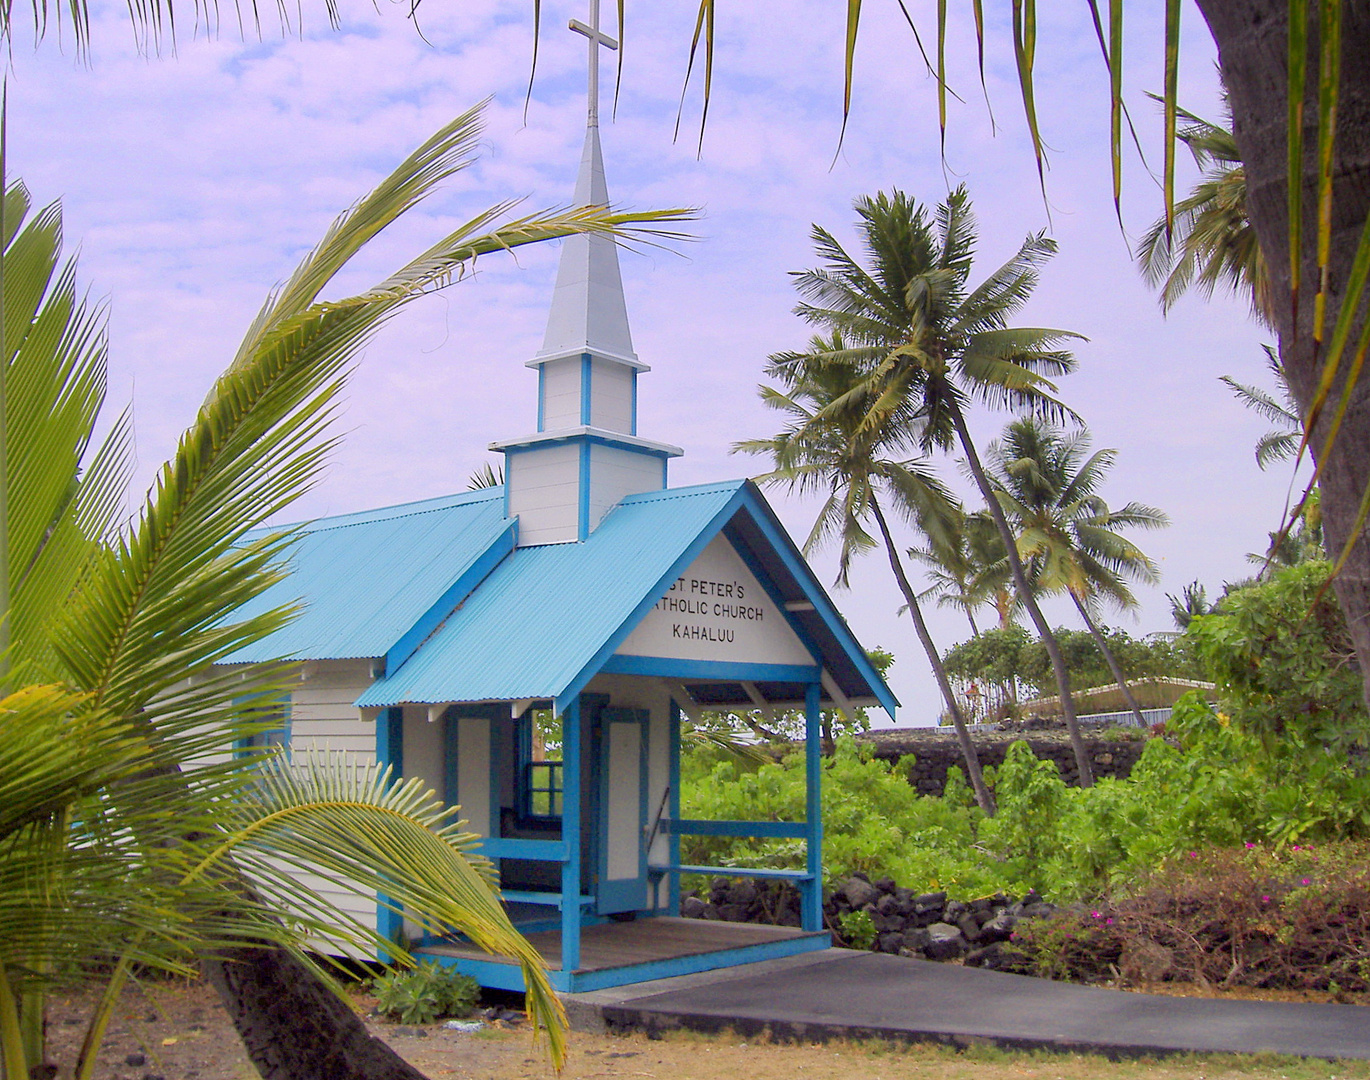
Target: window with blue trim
(271, 727)
(541, 776)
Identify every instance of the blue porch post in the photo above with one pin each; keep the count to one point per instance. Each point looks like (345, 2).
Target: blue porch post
(811, 907)
(570, 837)
(389, 751)
(673, 837)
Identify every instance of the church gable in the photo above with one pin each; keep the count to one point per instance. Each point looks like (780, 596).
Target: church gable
(717, 610)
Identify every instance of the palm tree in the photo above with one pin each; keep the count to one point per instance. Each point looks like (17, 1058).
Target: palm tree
(1209, 241)
(129, 832)
(971, 571)
(928, 346)
(1189, 605)
(832, 453)
(1048, 489)
(1282, 441)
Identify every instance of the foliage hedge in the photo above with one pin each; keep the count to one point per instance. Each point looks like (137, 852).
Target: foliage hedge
(1296, 918)
(1206, 784)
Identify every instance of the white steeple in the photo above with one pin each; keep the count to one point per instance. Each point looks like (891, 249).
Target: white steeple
(586, 454)
(588, 310)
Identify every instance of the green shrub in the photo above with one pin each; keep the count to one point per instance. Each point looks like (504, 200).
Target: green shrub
(858, 929)
(1283, 660)
(874, 821)
(424, 993)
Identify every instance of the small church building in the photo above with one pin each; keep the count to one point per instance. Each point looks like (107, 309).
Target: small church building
(432, 632)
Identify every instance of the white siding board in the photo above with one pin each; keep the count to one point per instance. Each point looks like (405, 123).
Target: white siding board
(473, 773)
(423, 749)
(544, 487)
(615, 473)
(611, 396)
(561, 394)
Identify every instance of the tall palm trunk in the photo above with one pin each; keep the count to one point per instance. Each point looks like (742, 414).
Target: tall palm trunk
(1109, 659)
(1058, 664)
(292, 1026)
(1252, 38)
(958, 720)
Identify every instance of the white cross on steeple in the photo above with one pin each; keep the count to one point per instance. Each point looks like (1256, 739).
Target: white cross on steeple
(596, 39)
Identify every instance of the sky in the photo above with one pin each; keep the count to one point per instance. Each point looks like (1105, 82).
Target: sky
(194, 176)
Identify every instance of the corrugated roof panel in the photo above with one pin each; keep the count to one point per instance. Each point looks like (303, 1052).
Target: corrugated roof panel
(367, 578)
(545, 612)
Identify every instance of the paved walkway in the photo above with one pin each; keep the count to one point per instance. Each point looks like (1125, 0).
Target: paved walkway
(840, 993)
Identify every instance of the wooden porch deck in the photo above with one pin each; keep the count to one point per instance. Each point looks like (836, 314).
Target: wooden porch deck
(605, 946)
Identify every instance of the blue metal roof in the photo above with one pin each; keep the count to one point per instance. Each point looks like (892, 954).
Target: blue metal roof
(544, 613)
(547, 618)
(439, 590)
(367, 579)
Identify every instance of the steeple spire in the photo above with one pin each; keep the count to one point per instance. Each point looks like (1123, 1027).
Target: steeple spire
(586, 454)
(588, 313)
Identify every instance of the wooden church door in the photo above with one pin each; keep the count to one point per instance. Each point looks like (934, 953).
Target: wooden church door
(622, 855)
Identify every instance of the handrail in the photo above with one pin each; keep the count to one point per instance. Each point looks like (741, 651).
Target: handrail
(534, 850)
(797, 830)
(735, 871)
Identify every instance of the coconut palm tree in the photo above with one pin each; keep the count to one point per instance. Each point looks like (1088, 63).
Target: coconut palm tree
(1209, 241)
(1047, 483)
(856, 466)
(928, 346)
(971, 572)
(1282, 441)
(130, 833)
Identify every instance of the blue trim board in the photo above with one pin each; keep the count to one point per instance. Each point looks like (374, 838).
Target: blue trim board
(509, 976)
(542, 394)
(632, 425)
(458, 591)
(811, 893)
(583, 499)
(596, 436)
(389, 752)
(673, 838)
(534, 850)
(708, 670)
(570, 833)
(797, 876)
(586, 378)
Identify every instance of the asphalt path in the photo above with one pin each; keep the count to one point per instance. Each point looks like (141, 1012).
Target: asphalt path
(840, 993)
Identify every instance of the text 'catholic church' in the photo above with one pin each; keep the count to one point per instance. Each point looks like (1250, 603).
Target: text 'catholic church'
(432, 631)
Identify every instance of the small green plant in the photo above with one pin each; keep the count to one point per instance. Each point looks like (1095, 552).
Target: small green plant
(858, 929)
(427, 992)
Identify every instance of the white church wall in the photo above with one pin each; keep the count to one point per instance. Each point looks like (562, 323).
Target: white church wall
(615, 473)
(322, 715)
(323, 719)
(717, 610)
(543, 486)
(611, 396)
(561, 393)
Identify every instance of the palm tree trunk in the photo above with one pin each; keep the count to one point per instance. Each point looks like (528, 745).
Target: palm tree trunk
(1058, 664)
(973, 773)
(1110, 660)
(1252, 38)
(292, 1025)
